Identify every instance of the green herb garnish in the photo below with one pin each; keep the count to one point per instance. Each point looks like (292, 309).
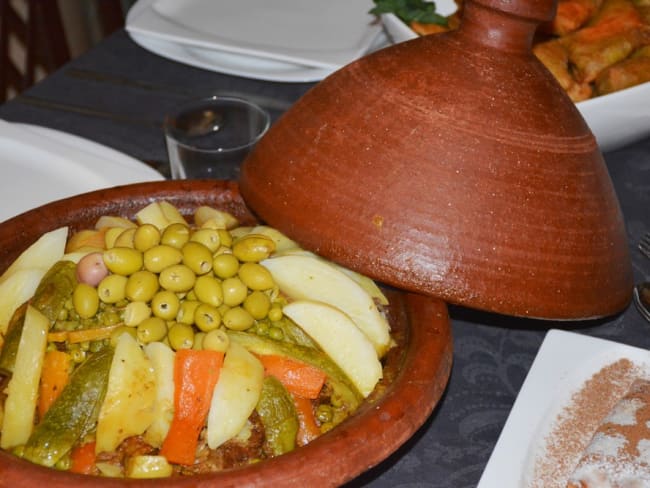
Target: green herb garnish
(410, 10)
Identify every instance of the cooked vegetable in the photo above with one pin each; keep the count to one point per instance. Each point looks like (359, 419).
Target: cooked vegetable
(195, 375)
(55, 287)
(308, 429)
(304, 277)
(278, 415)
(235, 396)
(298, 377)
(128, 407)
(54, 376)
(342, 342)
(162, 360)
(82, 458)
(74, 412)
(148, 467)
(22, 394)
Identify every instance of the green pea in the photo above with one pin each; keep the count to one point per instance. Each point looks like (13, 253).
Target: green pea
(216, 340)
(198, 340)
(208, 290)
(175, 235)
(146, 236)
(160, 257)
(234, 291)
(208, 237)
(177, 278)
(253, 248)
(197, 257)
(225, 265)
(238, 319)
(85, 300)
(123, 260)
(256, 276)
(151, 330)
(275, 312)
(257, 304)
(180, 336)
(276, 333)
(187, 311)
(136, 312)
(142, 286)
(165, 304)
(112, 288)
(324, 413)
(207, 317)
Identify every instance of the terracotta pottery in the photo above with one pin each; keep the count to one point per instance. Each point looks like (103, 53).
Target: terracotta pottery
(416, 371)
(456, 166)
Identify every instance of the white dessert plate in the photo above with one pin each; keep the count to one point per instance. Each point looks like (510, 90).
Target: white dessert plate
(616, 119)
(562, 365)
(303, 33)
(40, 165)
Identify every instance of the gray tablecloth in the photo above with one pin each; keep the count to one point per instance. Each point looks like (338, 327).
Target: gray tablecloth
(117, 94)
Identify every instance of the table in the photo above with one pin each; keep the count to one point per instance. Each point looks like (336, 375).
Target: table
(117, 95)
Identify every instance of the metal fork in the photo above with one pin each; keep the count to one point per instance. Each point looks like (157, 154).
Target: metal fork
(644, 245)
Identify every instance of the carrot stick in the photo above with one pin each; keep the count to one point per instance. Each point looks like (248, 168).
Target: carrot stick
(299, 378)
(308, 429)
(83, 459)
(54, 377)
(196, 373)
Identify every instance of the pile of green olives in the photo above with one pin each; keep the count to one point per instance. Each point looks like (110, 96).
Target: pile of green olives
(181, 285)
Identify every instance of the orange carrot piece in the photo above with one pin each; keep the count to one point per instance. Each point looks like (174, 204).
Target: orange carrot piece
(299, 378)
(308, 429)
(83, 459)
(196, 373)
(54, 377)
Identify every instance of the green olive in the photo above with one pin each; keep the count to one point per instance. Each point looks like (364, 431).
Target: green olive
(160, 257)
(146, 236)
(123, 260)
(197, 257)
(175, 235)
(165, 304)
(225, 265)
(186, 311)
(216, 340)
(207, 317)
(234, 291)
(238, 319)
(85, 300)
(208, 237)
(112, 288)
(225, 237)
(253, 248)
(257, 304)
(180, 336)
(142, 286)
(198, 340)
(115, 335)
(208, 290)
(151, 330)
(177, 278)
(136, 312)
(256, 276)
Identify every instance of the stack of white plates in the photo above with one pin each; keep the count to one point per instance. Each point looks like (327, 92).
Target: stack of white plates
(279, 40)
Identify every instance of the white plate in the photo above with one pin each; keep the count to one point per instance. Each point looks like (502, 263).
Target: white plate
(231, 64)
(616, 119)
(40, 165)
(564, 362)
(302, 33)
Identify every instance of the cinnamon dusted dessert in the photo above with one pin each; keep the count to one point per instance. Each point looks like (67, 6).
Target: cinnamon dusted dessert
(618, 455)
